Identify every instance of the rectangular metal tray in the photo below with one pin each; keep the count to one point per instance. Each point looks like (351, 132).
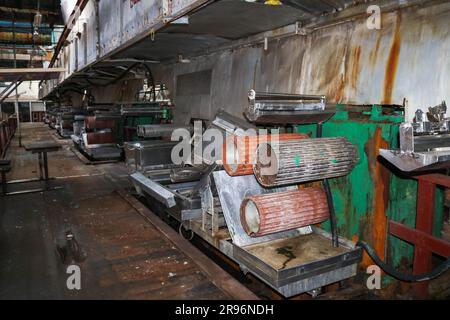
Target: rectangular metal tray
(299, 263)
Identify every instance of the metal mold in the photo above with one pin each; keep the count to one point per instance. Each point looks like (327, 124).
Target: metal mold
(300, 263)
(142, 154)
(274, 212)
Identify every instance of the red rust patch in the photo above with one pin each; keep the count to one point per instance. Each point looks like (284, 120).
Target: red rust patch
(381, 198)
(392, 62)
(380, 177)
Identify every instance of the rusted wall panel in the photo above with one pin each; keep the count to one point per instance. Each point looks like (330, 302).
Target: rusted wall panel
(408, 58)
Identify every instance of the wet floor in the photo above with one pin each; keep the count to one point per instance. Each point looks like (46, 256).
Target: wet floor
(124, 256)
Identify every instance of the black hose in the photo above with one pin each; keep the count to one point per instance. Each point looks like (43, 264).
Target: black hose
(326, 187)
(124, 73)
(401, 276)
(117, 78)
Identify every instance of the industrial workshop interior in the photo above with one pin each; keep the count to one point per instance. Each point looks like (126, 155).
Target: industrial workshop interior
(224, 150)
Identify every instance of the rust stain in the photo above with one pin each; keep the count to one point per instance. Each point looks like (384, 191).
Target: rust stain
(339, 94)
(356, 57)
(392, 62)
(380, 177)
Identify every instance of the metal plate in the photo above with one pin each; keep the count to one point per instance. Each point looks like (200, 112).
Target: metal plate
(417, 161)
(232, 191)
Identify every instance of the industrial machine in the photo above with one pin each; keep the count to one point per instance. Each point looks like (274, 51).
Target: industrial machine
(264, 220)
(151, 106)
(424, 145)
(64, 124)
(108, 128)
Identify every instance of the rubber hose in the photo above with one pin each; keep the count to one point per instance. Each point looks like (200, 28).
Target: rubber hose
(401, 276)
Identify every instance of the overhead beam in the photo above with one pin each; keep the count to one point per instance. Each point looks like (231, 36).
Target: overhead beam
(23, 57)
(30, 74)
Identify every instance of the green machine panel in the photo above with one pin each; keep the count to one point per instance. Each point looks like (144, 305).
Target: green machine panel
(374, 191)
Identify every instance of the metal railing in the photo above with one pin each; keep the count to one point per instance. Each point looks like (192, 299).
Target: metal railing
(8, 127)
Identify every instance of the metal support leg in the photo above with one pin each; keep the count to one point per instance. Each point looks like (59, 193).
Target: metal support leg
(326, 187)
(333, 225)
(46, 178)
(41, 176)
(424, 222)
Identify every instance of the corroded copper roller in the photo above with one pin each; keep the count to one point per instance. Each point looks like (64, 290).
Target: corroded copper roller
(239, 151)
(92, 123)
(303, 160)
(280, 211)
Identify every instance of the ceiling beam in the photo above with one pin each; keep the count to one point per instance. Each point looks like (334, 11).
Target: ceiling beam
(23, 57)
(29, 11)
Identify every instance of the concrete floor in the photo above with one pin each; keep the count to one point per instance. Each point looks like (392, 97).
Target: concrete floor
(126, 256)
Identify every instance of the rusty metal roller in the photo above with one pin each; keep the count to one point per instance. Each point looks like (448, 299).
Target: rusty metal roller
(296, 161)
(274, 212)
(239, 151)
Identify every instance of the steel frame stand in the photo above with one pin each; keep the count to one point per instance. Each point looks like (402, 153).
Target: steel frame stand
(425, 244)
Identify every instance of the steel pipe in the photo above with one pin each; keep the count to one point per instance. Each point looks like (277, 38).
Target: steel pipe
(238, 154)
(297, 161)
(280, 211)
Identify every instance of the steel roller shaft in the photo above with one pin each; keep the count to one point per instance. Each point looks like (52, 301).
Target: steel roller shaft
(303, 160)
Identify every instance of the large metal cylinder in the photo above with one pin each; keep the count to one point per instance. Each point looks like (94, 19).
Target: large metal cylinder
(297, 161)
(274, 212)
(238, 154)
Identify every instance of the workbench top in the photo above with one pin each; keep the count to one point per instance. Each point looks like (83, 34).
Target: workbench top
(42, 145)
